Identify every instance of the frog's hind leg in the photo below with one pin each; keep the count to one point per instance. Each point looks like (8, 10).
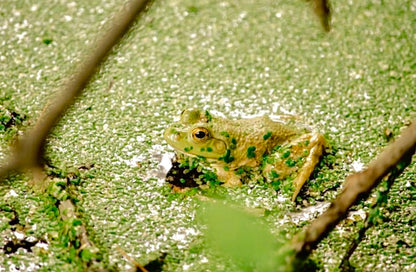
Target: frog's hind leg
(317, 141)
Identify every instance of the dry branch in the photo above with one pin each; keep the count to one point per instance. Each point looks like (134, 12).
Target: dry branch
(322, 9)
(372, 217)
(28, 152)
(357, 186)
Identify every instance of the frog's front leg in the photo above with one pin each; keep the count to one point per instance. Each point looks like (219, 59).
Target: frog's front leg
(229, 177)
(316, 145)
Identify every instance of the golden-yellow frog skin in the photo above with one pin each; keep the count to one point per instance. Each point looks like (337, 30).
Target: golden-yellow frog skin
(227, 145)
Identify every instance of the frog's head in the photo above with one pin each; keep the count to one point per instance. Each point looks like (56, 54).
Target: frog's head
(193, 135)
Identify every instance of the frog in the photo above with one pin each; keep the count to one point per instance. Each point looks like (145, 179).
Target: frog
(275, 149)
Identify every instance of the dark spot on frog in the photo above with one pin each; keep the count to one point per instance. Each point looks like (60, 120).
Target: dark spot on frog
(251, 152)
(239, 171)
(267, 135)
(225, 134)
(286, 154)
(290, 162)
(233, 143)
(274, 174)
(227, 157)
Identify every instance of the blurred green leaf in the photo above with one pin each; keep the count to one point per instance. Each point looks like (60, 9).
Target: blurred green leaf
(240, 236)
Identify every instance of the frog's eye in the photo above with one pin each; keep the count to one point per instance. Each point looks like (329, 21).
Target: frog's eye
(200, 134)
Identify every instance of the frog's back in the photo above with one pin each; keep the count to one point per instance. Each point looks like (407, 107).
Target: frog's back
(259, 129)
(259, 134)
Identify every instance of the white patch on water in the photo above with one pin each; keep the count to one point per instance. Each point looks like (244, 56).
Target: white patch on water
(307, 213)
(357, 165)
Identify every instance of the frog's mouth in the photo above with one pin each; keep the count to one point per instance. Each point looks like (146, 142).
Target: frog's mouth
(210, 148)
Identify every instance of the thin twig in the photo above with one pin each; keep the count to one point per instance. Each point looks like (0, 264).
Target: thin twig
(29, 150)
(371, 218)
(357, 186)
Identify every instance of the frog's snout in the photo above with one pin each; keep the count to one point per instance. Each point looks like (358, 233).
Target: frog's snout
(172, 136)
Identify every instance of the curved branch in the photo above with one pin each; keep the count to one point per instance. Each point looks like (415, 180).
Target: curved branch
(29, 150)
(357, 186)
